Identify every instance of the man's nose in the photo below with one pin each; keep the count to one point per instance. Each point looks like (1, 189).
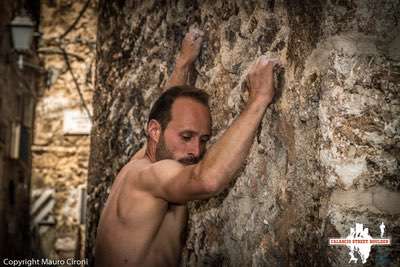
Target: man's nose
(195, 149)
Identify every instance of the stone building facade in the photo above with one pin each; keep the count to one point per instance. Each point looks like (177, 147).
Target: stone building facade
(19, 90)
(62, 128)
(327, 153)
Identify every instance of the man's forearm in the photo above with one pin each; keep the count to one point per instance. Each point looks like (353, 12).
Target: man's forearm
(190, 49)
(179, 75)
(227, 155)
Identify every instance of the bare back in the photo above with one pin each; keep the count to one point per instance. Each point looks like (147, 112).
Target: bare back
(137, 228)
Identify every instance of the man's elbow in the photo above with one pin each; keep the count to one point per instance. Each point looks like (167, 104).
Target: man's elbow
(212, 187)
(211, 180)
(213, 183)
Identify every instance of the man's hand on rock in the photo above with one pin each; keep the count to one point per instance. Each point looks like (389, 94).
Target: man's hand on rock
(191, 45)
(260, 79)
(190, 49)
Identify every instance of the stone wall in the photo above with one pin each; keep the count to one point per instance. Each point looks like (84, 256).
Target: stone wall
(61, 156)
(327, 153)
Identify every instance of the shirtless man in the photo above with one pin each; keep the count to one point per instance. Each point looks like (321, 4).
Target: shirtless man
(145, 215)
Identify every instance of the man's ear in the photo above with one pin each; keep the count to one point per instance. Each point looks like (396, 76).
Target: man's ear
(154, 130)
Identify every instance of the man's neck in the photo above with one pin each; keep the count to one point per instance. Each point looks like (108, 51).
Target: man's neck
(151, 152)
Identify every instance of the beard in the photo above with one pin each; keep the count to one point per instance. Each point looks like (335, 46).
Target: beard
(189, 160)
(162, 152)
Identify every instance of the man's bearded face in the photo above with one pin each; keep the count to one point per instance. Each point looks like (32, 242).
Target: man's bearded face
(162, 152)
(187, 133)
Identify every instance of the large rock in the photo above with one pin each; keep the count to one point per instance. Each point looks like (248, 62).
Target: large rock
(331, 136)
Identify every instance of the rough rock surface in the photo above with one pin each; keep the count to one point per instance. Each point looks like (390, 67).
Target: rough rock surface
(327, 153)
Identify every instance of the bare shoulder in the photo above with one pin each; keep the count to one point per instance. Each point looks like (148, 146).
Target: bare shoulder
(133, 168)
(144, 175)
(137, 165)
(166, 179)
(131, 199)
(155, 174)
(125, 181)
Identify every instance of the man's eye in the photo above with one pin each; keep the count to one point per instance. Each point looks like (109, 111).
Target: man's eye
(186, 137)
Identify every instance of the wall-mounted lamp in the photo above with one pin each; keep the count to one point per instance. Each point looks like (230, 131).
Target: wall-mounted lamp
(22, 28)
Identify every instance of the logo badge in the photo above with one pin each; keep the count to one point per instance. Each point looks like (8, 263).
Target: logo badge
(360, 242)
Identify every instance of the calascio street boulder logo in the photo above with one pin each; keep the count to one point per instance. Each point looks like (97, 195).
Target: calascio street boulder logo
(360, 242)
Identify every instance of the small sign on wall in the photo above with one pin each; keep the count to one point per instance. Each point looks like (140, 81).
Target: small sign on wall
(76, 122)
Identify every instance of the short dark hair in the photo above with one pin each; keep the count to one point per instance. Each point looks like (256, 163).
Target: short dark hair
(161, 109)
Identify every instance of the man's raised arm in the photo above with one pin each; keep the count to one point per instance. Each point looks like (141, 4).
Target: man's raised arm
(190, 49)
(228, 154)
(177, 183)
